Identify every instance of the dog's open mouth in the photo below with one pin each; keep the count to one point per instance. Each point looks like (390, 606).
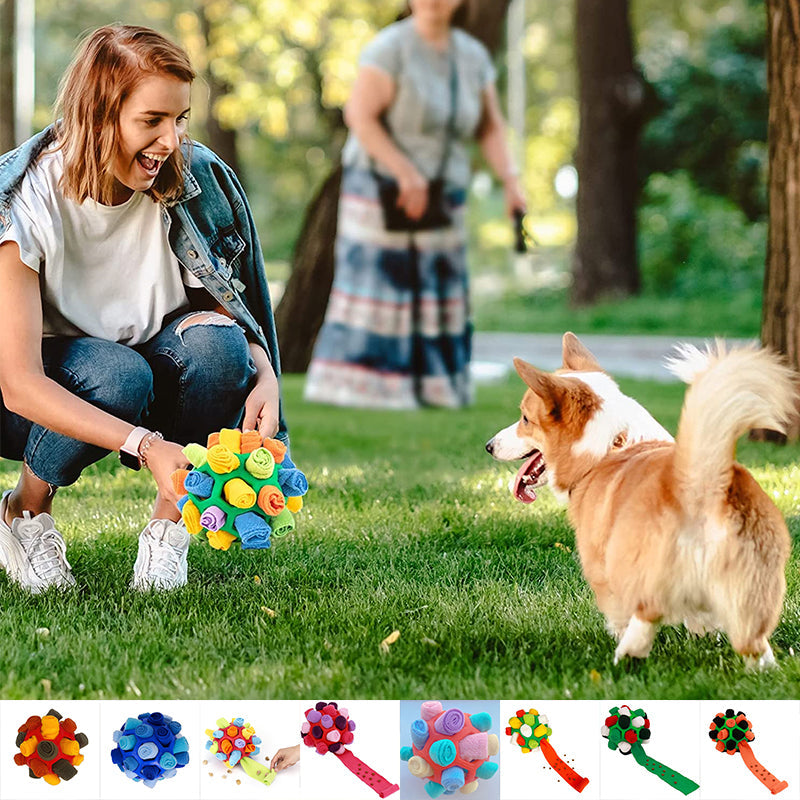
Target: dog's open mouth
(530, 476)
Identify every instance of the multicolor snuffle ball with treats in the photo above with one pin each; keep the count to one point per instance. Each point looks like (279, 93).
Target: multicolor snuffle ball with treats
(150, 748)
(450, 750)
(235, 743)
(49, 747)
(530, 730)
(732, 733)
(328, 729)
(241, 488)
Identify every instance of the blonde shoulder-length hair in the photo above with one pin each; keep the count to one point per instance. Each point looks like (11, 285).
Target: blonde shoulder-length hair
(107, 67)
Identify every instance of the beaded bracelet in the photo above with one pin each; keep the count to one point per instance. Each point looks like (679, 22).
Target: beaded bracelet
(146, 444)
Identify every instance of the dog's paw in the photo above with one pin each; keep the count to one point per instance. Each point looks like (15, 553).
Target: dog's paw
(636, 641)
(761, 663)
(624, 651)
(620, 654)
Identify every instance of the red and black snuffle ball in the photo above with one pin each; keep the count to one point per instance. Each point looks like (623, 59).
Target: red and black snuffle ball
(624, 728)
(328, 728)
(729, 730)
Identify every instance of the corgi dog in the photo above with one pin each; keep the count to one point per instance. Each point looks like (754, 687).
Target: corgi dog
(668, 531)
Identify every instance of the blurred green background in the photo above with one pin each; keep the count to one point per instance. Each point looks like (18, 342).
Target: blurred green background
(702, 218)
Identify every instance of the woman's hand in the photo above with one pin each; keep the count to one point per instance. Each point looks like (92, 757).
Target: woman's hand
(263, 403)
(285, 757)
(413, 198)
(261, 408)
(163, 458)
(492, 138)
(515, 197)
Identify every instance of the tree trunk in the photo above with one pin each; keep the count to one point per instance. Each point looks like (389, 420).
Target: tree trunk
(612, 96)
(7, 71)
(220, 139)
(780, 324)
(301, 311)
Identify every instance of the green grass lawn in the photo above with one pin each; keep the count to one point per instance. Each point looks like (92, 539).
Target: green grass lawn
(408, 526)
(549, 311)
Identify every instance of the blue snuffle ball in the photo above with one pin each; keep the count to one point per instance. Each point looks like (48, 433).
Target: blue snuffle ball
(150, 748)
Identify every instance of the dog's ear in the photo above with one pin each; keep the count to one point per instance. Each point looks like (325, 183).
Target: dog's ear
(576, 356)
(550, 388)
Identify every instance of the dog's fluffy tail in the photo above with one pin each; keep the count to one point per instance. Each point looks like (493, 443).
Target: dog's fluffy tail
(730, 392)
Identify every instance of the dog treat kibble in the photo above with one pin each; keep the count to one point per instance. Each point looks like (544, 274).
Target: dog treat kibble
(50, 747)
(241, 488)
(530, 731)
(150, 748)
(235, 743)
(451, 749)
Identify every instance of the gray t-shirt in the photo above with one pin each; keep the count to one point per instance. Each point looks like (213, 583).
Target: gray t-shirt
(418, 117)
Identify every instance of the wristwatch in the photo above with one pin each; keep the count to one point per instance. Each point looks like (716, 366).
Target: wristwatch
(129, 452)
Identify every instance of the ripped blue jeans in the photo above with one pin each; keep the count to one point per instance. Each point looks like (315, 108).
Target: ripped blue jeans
(190, 379)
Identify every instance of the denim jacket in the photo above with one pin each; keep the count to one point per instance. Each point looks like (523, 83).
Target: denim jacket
(211, 231)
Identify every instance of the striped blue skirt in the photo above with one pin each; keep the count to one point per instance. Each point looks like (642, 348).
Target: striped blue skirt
(397, 331)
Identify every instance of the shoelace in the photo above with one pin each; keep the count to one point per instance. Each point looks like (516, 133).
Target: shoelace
(47, 552)
(164, 559)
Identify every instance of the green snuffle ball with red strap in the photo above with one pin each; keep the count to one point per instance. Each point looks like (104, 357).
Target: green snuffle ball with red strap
(624, 728)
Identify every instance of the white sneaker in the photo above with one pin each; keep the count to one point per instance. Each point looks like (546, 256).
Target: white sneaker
(33, 552)
(161, 562)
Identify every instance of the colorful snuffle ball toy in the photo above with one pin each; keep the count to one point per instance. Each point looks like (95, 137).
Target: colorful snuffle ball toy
(50, 747)
(150, 748)
(451, 749)
(732, 733)
(235, 743)
(329, 729)
(241, 488)
(531, 731)
(627, 731)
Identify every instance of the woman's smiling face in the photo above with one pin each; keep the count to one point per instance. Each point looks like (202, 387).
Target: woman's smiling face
(152, 124)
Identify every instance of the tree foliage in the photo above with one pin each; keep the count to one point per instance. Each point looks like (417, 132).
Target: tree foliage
(713, 120)
(287, 67)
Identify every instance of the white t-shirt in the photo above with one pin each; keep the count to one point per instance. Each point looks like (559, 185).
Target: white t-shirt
(104, 271)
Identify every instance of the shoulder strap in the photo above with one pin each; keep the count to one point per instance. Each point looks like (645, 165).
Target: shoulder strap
(450, 132)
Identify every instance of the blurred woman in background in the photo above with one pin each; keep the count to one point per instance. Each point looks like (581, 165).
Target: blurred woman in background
(397, 331)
